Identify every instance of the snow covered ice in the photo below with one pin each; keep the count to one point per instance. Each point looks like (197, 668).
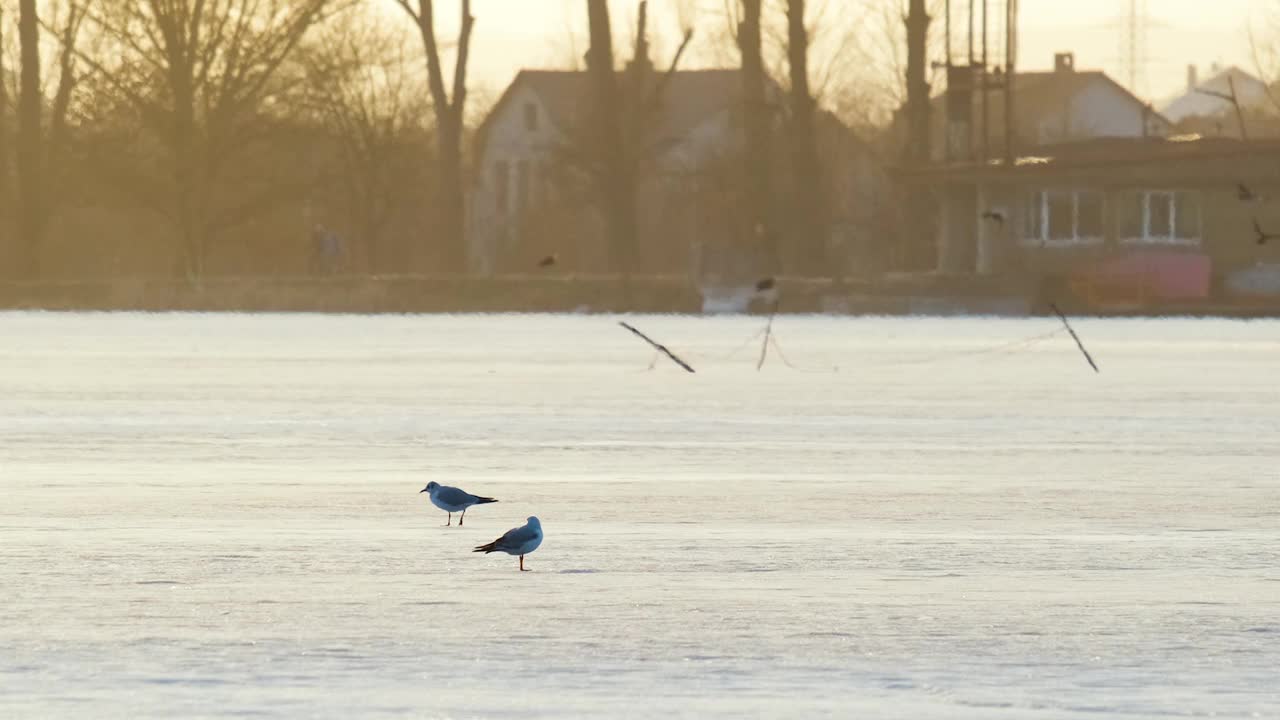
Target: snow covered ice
(218, 515)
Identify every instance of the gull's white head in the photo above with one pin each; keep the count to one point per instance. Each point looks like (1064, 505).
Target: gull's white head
(431, 486)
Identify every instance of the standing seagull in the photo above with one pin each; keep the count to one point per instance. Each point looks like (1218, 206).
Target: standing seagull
(516, 541)
(452, 499)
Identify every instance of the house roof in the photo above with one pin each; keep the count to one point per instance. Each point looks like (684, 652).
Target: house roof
(689, 98)
(1040, 92)
(1103, 153)
(1250, 91)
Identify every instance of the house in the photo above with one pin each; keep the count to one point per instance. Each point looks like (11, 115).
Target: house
(1137, 221)
(533, 191)
(1061, 105)
(1205, 106)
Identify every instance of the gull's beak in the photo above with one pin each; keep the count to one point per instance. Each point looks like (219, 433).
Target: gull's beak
(422, 491)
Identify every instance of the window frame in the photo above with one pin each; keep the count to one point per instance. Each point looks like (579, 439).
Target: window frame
(1175, 237)
(1037, 207)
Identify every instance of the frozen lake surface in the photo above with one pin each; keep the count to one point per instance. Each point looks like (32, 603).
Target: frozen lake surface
(218, 516)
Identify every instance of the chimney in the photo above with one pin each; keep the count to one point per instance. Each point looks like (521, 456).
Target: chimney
(1192, 79)
(1064, 62)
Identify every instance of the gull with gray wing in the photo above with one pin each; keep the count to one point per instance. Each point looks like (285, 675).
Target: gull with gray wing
(516, 541)
(452, 500)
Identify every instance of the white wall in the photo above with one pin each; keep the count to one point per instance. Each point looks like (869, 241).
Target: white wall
(508, 141)
(1100, 109)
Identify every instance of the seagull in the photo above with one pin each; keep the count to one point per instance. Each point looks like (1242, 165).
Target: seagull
(1244, 194)
(548, 261)
(765, 284)
(995, 215)
(452, 499)
(1262, 236)
(516, 541)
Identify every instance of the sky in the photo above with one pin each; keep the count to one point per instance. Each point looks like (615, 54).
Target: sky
(510, 34)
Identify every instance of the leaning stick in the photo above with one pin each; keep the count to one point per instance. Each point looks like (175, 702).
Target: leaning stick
(1075, 337)
(659, 346)
(768, 336)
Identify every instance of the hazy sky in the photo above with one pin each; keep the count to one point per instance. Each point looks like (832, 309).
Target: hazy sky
(536, 33)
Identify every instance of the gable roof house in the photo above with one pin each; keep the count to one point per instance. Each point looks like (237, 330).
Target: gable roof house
(1055, 106)
(533, 192)
(1204, 107)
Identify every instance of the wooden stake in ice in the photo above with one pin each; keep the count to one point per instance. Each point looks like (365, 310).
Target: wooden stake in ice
(662, 348)
(1075, 337)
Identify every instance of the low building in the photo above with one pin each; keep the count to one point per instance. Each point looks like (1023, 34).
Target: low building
(1115, 221)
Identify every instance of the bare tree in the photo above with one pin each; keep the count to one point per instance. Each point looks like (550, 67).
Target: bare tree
(858, 60)
(201, 75)
(66, 30)
(809, 223)
(607, 161)
(449, 110)
(362, 90)
(29, 143)
(64, 21)
(41, 150)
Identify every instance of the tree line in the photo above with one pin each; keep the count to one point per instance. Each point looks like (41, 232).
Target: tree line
(191, 138)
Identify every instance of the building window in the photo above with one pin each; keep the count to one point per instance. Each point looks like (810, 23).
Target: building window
(1063, 217)
(1156, 217)
(500, 187)
(530, 117)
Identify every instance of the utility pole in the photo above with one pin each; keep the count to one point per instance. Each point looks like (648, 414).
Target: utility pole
(1010, 69)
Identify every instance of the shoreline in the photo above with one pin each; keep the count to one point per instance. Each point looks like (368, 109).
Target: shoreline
(892, 296)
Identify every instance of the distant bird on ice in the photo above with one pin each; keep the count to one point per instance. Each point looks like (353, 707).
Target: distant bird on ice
(516, 541)
(452, 500)
(1244, 194)
(548, 261)
(994, 215)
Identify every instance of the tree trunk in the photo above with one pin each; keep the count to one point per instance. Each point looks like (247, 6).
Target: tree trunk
(58, 138)
(917, 150)
(30, 152)
(810, 225)
(757, 129)
(189, 259)
(617, 184)
(4, 147)
(450, 199)
(918, 138)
